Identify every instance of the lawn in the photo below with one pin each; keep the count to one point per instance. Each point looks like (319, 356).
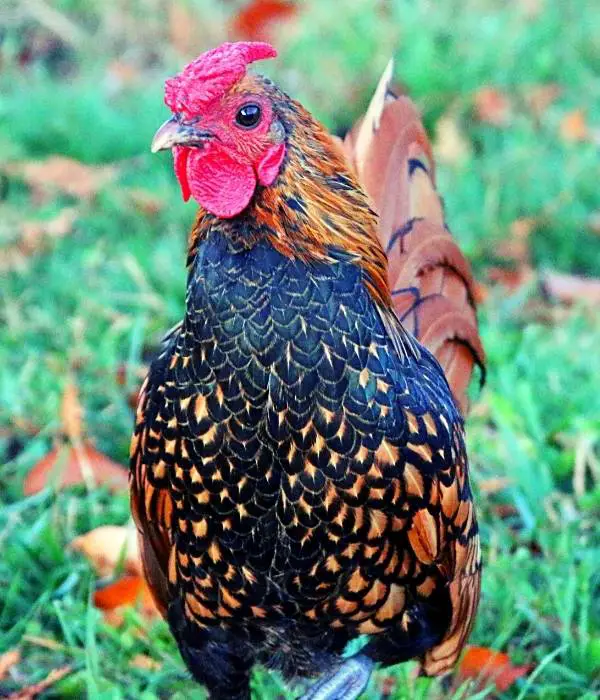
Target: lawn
(94, 274)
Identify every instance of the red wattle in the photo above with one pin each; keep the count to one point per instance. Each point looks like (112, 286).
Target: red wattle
(181, 156)
(220, 184)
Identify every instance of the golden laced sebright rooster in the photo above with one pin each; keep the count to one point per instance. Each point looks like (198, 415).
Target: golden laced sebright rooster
(298, 468)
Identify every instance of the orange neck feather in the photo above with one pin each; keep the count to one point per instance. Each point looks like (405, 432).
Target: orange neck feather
(315, 204)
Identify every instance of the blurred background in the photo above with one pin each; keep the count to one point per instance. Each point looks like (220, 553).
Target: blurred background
(93, 236)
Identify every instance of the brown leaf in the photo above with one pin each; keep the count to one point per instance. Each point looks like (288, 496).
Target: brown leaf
(71, 412)
(540, 97)
(571, 289)
(512, 279)
(494, 484)
(145, 202)
(183, 25)
(489, 666)
(492, 107)
(258, 19)
(35, 237)
(128, 590)
(573, 127)
(67, 465)
(451, 145)
(61, 174)
(107, 546)
(8, 660)
(32, 691)
(145, 662)
(594, 222)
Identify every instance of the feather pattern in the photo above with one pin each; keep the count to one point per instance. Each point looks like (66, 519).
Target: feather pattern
(430, 279)
(298, 467)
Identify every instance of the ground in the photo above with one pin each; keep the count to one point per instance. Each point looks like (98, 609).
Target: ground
(511, 95)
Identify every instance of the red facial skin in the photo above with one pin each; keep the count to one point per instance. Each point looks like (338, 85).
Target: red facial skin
(222, 172)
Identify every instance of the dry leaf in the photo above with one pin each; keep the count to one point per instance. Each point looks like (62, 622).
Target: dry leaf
(511, 279)
(573, 127)
(32, 691)
(258, 20)
(145, 662)
(107, 546)
(451, 145)
(71, 412)
(61, 174)
(35, 237)
(571, 289)
(492, 107)
(594, 222)
(494, 484)
(125, 591)
(67, 465)
(8, 660)
(145, 202)
(183, 28)
(540, 97)
(489, 666)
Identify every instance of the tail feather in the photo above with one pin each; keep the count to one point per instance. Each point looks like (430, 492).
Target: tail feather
(431, 281)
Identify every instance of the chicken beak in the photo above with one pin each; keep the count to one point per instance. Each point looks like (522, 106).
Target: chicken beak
(175, 133)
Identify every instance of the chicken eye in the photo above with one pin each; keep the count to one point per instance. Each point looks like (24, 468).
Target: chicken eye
(248, 116)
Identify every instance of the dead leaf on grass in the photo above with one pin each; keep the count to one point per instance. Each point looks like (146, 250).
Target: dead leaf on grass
(8, 660)
(32, 691)
(540, 97)
(128, 590)
(571, 289)
(61, 174)
(145, 662)
(67, 465)
(493, 107)
(494, 484)
(573, 127)
(486, 666)
(34, 237)
(451, 145)
(107, 546)
(258, 19)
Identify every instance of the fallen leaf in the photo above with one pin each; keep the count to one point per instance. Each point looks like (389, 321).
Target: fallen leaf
(594, 222)
(259, 18)
(145, 202)
(540, 97)
(573, 126)
(492, 107)
(183, 28)
(34, 237)
(32, 691)
(489, 666)
(145, 662)
(127, 590)
(494, 484)
(571, 289)
(61, 174)
(8, 660)
(66, 465)
(451, 145)
(107, 546)
(71, 412)
(510, 279)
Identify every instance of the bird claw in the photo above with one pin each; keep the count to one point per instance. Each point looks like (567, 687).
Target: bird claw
(347, 682)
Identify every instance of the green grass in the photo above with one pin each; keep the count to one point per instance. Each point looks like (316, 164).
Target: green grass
(105, 293)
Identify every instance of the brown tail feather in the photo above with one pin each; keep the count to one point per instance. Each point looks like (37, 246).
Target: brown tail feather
(431, 281)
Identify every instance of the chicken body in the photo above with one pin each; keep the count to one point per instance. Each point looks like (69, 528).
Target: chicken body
(299, 474)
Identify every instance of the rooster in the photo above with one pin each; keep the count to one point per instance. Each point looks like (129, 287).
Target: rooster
(298, 467)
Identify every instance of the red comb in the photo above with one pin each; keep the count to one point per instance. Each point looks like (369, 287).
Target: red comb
(212, 74)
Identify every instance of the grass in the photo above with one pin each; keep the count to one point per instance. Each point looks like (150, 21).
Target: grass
(99, 297)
